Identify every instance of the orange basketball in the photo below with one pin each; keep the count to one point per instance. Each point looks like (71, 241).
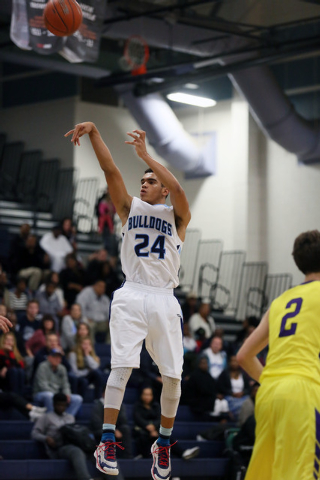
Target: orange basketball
(62, 17)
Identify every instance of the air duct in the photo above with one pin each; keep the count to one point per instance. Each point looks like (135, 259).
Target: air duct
(276, 115)
(167, 136)
(268, 104)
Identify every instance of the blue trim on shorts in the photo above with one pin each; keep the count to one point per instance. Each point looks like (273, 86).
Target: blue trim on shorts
(181, 323)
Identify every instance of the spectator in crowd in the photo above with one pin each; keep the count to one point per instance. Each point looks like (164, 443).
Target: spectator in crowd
(30, 322)
(52, 343)
(13, 400)
(30, 261)
(54, 278)
(50, 378)
(217, 358)
(69, 231)
(69, 326)
(39, 338)
(18, 297)
(95, 306)
(18, 241)
(3, 310)
(94, 266)
(244, 440)
(228, 347)
(201, 394)
(105, 212)
(247, 408)
(12, 316)
(190, 349)
(123, 430)
(247, 323)
(71, 279)
(4, 291)
(147, 416)
(47, 431)
(189, 343)
(49, 303)
(12, 376)
(234, 386)
(57, 247)
(109, 275)
(83, 331)
(151, 376)
(85, 365)
(190, 306)
(203, 320)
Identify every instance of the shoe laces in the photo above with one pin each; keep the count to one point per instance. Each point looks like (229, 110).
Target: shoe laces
(163, 452)
(109, 449)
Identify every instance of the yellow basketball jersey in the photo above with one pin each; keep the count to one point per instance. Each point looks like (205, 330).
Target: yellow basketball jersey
(294, 333)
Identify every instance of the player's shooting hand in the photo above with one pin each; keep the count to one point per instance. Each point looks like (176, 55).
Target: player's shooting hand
(139, 141)
(78, 131)
(5, 324)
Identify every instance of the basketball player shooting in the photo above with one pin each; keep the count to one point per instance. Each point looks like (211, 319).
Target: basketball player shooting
(287, 407)
(144, 308)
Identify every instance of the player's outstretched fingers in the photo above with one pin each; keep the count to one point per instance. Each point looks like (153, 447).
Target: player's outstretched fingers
(69, 133)
(77, 134)
(132, 135)
(141, 133)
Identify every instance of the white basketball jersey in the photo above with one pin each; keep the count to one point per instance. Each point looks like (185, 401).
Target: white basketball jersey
(150, 252)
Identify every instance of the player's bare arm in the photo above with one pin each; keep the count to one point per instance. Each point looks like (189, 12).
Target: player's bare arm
(177, 195)
(257, 341)
(118, 192)
(5, 324)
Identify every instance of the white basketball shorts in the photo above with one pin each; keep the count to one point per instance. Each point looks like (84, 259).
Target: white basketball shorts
(139, 312)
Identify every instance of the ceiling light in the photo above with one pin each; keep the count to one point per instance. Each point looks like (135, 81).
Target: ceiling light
(191, 86)
(191, 99)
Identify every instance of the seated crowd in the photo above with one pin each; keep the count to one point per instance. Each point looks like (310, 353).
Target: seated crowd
(59, 309)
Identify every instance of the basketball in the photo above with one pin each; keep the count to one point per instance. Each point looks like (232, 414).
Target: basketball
(62, 17)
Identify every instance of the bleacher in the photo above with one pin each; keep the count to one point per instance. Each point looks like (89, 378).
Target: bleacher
(25, 458)
(237, 289)
(39, 192)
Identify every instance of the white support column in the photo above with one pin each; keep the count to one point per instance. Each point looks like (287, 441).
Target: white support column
(240, 152)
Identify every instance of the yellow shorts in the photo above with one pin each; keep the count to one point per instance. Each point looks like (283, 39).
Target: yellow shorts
(287, 445)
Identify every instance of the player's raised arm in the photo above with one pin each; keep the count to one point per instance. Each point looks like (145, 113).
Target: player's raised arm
(177, 195)
(5, 324)
(118, 192)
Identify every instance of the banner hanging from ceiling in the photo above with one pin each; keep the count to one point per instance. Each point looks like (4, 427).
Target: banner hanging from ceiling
(28, 30)
(84, 45)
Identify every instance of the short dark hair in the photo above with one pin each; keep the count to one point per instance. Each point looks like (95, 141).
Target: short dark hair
(149, 170)
(306, 252)
(60, 397)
